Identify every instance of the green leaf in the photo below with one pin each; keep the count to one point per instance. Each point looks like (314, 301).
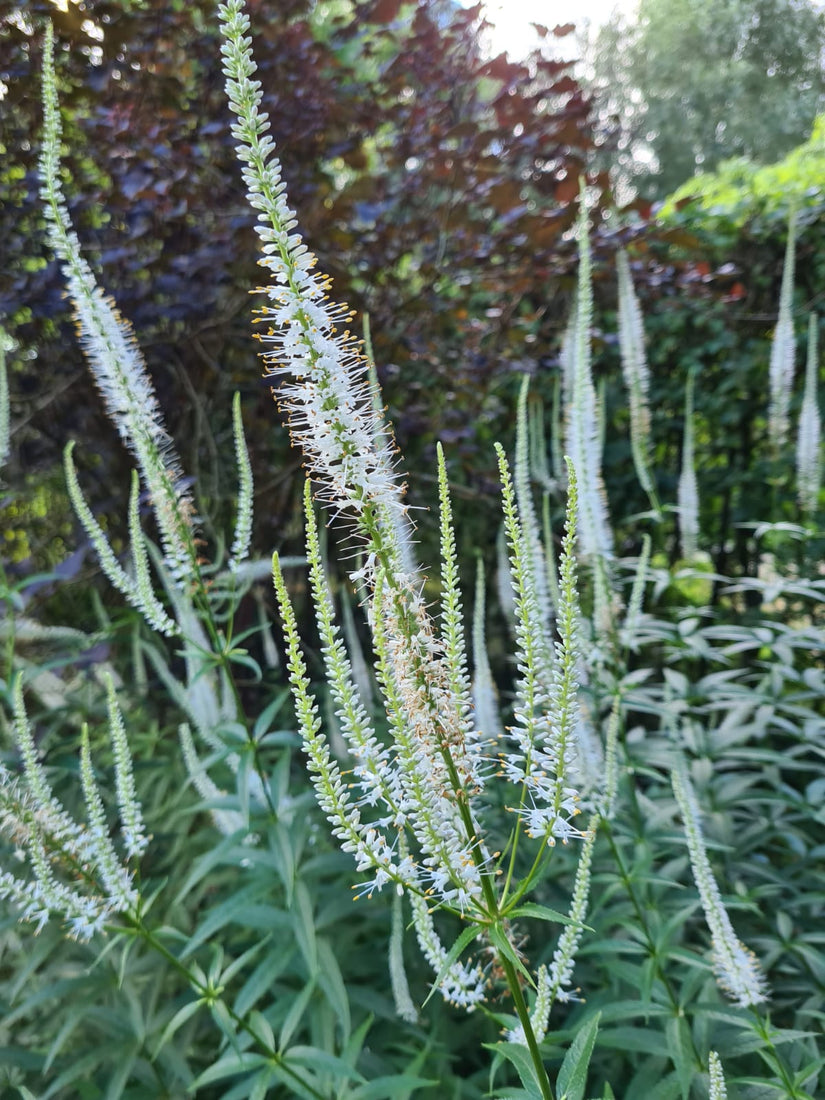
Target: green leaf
(235, 967)
(262, 1028)
(293, 1017)
(263, 977)
(227, 851)
(499, 939)
(355, 1041)
(177, 1021)
(541, 912)
(118, 1081)
(466, 937)
(303, 924)
(680, 1049)
(260, 1084)
(573, 1073)
(283, 857)
(392, 1088)
(231, 910)
(318, 1059)
(520, 1057)
(307, 1087)
(77, 1017)
(231, 1064)
(635, 1039)
(262, 722)
(331, 982)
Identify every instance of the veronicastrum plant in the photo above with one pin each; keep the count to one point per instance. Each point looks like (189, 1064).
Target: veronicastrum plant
(88, 877)
(207, 697)
(459, 813)
(416, 809)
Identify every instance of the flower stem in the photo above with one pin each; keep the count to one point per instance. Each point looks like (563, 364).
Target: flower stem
(542, 1080)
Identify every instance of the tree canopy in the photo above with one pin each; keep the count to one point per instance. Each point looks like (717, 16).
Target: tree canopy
(686, 86)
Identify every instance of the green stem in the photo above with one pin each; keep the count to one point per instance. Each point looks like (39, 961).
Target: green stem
(523, 1014)
(643, 926)
(761, 1025)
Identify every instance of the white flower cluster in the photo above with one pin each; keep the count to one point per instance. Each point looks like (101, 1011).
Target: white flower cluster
(552, 983)
(583, 435)
(737, 969)
(635, 370)
(688, 489)
(46, 837)
(718, 1089)
(546, 713)
(411, 812)
(809, 437)
(206, 696)
(113, 355)
(783, 349)
(411, 782)
(323, 378)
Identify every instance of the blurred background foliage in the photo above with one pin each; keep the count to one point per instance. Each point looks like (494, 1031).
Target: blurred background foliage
(683, 87)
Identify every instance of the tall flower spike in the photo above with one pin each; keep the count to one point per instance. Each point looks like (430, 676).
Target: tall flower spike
(5, 407)
(226, 821)
(535, 556)
(376, 778)
(783, 348)
(455, 656)
(595, 538)
(462, 983)
(437, 772)
(323, 379)
(113, 355)
(485, 699)
(115, 879)
(737, 970)
(36, 781)
(131, 815)
(552, 981)
(138, 589)
(366, 842)
(243, 521)
(95, 885)
(636, 374)
(808, 446)
(688, 492)
(404, 1004)
(546, 709)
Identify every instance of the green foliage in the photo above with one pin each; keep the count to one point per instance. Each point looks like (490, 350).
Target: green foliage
(691, 85)
(742, 190)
